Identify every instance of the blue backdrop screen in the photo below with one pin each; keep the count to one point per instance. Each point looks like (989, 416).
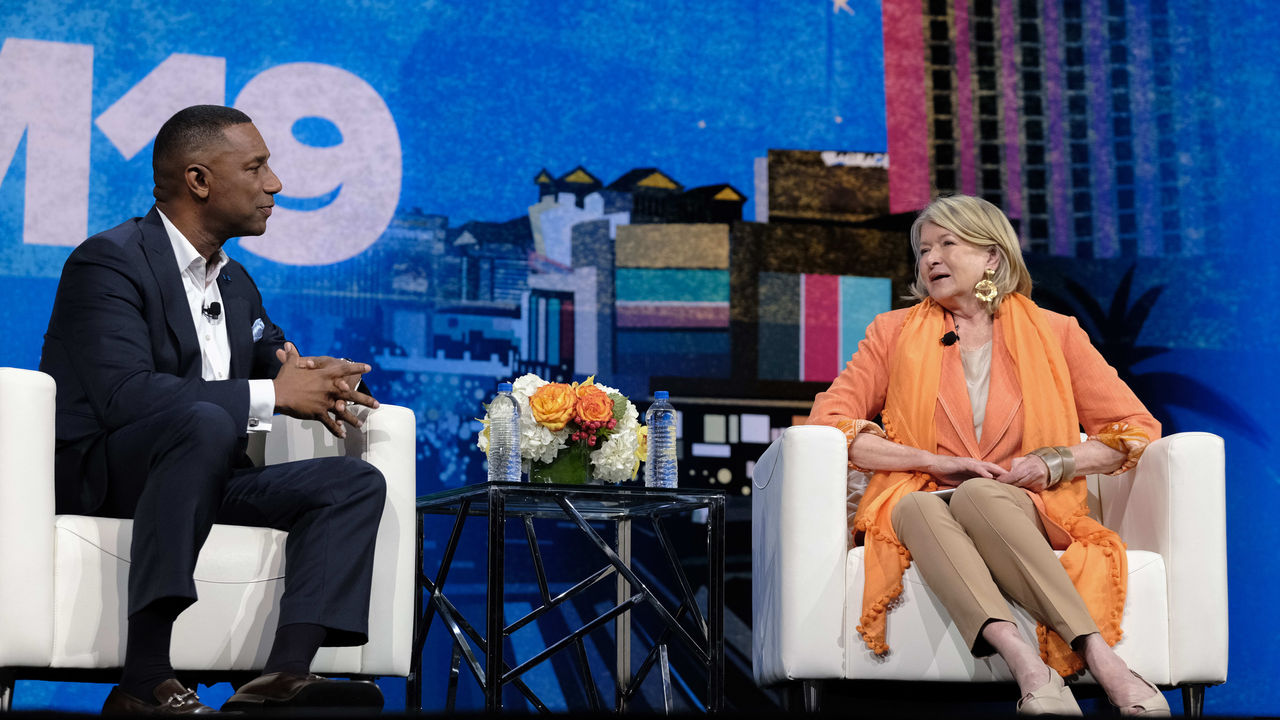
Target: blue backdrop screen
(452, 170)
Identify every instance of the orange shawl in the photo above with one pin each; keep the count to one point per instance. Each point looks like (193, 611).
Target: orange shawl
(1095, 557)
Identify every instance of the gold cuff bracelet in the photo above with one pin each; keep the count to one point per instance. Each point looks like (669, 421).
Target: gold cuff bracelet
(1060, 461)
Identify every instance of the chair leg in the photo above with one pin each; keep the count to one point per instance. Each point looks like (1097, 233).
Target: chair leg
(7, 682)
(805, 695)
(812, 696)
(1193, 700)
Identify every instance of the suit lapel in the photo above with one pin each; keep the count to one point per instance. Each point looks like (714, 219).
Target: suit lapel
(1004, 397)
(239, 325)
(953, 395)
(164, 267)
(1005, 393)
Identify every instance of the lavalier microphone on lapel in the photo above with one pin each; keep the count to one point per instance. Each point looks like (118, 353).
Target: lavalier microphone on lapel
(953, 336)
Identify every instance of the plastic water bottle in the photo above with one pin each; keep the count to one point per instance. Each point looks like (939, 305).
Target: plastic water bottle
(504, 436)
(660, 468)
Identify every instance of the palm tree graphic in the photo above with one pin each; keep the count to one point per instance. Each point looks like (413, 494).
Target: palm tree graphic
(1115, 331)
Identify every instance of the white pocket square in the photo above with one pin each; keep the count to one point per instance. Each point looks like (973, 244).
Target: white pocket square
(257, 329)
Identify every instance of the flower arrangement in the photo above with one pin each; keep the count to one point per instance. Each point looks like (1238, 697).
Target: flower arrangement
(572, 433)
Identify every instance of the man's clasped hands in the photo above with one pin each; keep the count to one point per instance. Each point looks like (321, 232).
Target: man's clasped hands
(320, 388)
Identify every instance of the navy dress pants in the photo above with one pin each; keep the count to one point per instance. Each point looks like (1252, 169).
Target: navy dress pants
(180, 471)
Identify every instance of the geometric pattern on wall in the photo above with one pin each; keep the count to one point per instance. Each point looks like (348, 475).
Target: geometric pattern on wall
(810, 324)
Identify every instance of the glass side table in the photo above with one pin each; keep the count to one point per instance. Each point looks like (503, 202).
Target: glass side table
(500, 502)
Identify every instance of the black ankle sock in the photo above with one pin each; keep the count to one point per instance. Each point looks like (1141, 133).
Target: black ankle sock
(146, 654)
(294, 648)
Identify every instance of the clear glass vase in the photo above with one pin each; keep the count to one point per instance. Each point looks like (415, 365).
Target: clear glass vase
(571, 467)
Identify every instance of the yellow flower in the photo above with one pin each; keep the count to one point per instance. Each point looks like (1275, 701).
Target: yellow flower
(553, 405)
(642, 449)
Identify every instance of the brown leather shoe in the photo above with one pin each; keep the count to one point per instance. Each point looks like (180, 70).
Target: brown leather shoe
(277, 691)
(172, 698)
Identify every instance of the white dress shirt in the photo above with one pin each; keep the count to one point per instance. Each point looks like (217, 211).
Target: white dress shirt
(200, 281)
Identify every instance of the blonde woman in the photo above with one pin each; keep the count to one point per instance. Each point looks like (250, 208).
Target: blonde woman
(985, 393)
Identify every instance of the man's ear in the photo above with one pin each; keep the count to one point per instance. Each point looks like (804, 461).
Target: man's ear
(197, 179)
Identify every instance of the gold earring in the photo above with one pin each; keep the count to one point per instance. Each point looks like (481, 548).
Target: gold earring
(986, 290)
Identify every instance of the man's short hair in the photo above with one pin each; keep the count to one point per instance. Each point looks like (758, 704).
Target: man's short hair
(190, 130)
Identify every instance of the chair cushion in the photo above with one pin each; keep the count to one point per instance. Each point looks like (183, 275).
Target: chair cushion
(919, 621)
(239, 580)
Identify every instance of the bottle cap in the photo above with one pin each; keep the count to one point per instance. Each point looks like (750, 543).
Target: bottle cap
(504, 387)
(660, 395)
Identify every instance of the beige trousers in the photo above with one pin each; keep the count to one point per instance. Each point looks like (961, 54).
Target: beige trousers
(989, 539)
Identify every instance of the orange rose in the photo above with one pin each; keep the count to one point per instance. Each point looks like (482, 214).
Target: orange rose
(593, 405)
(553, 405)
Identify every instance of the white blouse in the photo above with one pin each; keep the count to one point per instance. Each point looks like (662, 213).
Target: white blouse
(977, 378)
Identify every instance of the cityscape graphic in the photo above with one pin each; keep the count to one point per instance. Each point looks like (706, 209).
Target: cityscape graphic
(711, 199)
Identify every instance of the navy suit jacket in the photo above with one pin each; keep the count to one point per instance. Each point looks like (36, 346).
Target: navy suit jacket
(121, 347)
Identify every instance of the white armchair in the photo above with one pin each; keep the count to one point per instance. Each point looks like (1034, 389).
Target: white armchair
(63, 577)
(807, 583)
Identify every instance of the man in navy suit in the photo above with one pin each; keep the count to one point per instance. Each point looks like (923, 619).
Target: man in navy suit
(165, 360)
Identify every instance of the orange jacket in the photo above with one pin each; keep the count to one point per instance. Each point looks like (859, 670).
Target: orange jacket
(1101, 397)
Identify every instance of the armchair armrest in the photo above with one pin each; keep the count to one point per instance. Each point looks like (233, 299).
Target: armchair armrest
(26, 517)
(1174, 504)
(387, 440)
(799, 543)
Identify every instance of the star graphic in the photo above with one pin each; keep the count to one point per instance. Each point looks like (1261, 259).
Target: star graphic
(838, 5)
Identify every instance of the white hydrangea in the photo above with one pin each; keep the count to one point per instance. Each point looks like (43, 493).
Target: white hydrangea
(536, 442)
(614, 460)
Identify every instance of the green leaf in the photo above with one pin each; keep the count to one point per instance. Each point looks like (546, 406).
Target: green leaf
(619, 406)
(571, 467)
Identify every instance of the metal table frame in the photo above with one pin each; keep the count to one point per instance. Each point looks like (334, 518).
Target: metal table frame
(702, 636)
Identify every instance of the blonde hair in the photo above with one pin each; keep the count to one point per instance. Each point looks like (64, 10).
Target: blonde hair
(980, 223)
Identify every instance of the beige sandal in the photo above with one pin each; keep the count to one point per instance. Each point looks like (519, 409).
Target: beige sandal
(1052, 698)
(1153, 706)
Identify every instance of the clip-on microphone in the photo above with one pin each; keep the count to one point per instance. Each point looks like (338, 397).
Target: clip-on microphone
(953, 336)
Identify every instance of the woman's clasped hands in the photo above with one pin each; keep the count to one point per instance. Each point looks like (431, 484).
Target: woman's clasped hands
(952, 471)
(1025, 472)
